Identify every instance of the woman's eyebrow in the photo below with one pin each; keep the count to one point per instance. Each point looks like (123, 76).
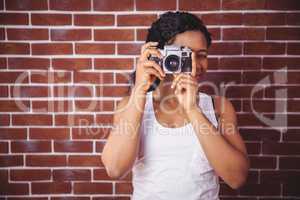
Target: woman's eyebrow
(202, 50)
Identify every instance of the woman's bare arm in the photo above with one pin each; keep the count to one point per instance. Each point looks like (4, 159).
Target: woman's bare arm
(224, 148)
(121, 148)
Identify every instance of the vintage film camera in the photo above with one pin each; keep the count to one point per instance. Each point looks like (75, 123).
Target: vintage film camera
(175, 59)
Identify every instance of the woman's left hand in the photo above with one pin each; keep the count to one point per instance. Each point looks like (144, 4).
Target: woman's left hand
(185, 88)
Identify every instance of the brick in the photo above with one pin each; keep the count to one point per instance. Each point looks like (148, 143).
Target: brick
(26, 5)
(239, 63)
(199, 5)
(93, 48)
(30, 146)
(32, 119)
(136, 20)
(107, 5)
(280, 176)
(30, 174)
(74, 120)
(98, 132)
(243, 5)
(85, 161)
(263, 189)
(14, 77)
(114, 35)
(51, 188)
(70, 5)
(13, 133)
(4, 147)
(243, 34)
(14, 48)
(70, 34)
(3, 91)
(291, 135)
(222, 19)
(94, 20)
(283, 5)
(113, 63)
(92, 188)
(289, 162)
(14, 106)
(14, 189)
(73, 146)
(262, 162)
(283, 34)
(105, 119)
(50, 77)
(93, 78)
(129, 49)
(94, 105)
(253, 148)
(141, 34)
(72, 63)
(11, 160)
(2, 34)
(112, 91)
(49, 133)
(292, 18)
(124, 188)
(263, 19)
(99, 147)
(123, 78)
(51, 19)
(276, 63)
(4, 120)
(215, 33)
(272, 91)
(101, 174)
(52, 49)
(73, 91)
(14, 19)
(262, 105)
(239, 91)
(28, 63)
(30, 91)
(27, 34)
(293, 48)
(225, 49)
(52, 106)
(156, 5)
(286, 148)
(46, 160)
(249, 120)
(261, 48)
(3, 63)
(71, 175)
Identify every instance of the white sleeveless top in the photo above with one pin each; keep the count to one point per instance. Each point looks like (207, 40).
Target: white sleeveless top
(171, 164)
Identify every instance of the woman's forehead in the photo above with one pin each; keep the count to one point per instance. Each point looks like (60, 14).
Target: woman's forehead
(195, 40)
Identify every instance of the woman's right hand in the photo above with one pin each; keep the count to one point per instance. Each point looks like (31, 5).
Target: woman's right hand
(147, 70)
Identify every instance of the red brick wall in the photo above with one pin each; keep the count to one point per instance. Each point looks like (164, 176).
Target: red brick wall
(63, 67)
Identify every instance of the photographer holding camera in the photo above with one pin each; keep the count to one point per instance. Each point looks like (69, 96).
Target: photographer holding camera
(176, 140)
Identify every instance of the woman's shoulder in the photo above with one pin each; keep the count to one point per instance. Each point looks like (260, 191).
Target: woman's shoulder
(222, 106)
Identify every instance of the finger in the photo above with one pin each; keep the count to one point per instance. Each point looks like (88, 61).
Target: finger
(145, 55)
(187, 81)
(154, 72)
(178, 77)
(148, 44)
(150, 63)
(194, 64)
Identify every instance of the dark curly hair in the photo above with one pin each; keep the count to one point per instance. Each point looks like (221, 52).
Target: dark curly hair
(167, 27)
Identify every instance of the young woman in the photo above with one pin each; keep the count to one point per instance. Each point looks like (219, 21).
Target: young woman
(167, 132)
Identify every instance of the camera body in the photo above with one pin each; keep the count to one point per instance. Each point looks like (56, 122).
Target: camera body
(175, 59)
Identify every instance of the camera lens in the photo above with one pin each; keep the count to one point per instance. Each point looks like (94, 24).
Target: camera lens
(172, 63)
